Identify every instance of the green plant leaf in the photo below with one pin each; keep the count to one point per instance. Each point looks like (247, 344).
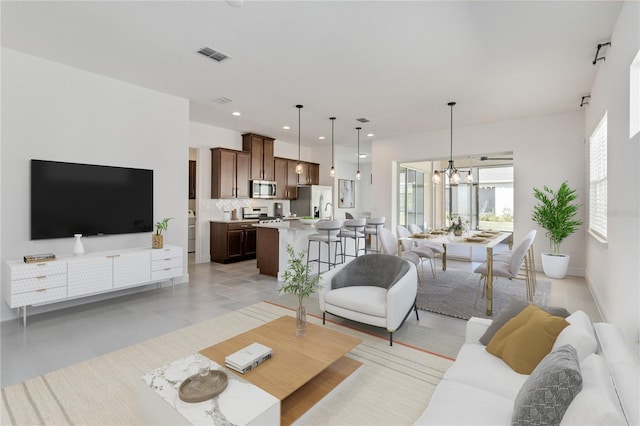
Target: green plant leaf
(556, 212)
(297, 277)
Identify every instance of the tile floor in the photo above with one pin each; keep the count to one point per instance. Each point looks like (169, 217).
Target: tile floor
(64, 337)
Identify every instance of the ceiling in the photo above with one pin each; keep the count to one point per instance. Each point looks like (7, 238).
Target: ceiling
(395, 63)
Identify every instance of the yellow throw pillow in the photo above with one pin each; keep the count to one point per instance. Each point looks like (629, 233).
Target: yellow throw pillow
(526, 338)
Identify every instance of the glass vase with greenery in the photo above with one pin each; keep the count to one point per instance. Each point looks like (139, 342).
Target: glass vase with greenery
(299, 281)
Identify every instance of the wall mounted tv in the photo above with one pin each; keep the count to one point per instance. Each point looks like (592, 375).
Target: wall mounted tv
(70, 198)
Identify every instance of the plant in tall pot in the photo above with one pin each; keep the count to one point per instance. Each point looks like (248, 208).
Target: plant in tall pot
(157, 240)
(298, 280)
(556, 212)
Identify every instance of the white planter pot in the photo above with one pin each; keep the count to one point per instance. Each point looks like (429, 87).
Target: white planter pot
(555, 266)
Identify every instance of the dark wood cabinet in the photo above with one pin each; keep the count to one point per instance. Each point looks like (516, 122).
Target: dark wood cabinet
(229, 173)
(310, 174)
(286, 179)
(192, 179)
(261, 149)
(231, 242)
(268, 259)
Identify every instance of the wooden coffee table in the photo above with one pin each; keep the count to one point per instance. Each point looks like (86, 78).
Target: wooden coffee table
(302, 370)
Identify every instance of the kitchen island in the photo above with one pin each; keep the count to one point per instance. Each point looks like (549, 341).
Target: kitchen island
(272, 241)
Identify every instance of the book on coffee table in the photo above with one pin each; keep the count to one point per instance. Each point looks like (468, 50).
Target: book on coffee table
(248, 357)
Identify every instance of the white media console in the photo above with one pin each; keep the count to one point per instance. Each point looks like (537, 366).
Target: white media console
(71, 277)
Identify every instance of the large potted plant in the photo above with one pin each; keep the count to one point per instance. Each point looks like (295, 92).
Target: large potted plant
(556, 212)
(299, 281)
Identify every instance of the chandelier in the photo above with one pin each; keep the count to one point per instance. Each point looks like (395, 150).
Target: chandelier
(452, 173)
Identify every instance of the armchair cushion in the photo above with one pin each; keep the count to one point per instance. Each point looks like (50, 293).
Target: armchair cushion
(364, 299)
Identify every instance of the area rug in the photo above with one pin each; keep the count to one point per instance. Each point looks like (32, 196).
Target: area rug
(412, 332)
(393, 387)
(453, 292)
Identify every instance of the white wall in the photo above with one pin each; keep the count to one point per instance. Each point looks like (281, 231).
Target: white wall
(546, 151)
(56, 112)
(613, 270)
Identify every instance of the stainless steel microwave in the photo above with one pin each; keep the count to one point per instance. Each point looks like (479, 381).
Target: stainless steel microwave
(263, 189)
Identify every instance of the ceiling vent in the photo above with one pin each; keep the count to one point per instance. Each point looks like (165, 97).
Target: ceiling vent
(213, 54)
(222, 100)
(362, 120)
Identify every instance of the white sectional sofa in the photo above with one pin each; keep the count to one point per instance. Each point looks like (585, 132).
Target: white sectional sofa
(481, 389)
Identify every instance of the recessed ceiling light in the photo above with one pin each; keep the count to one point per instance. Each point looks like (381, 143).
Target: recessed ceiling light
(370, 135)
(236, 113)
(286, 127)
(362, 155)
(321, 138)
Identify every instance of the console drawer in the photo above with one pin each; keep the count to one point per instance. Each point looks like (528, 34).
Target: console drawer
(38, 283)
(166, 274)
(33, 270)
(166, 252)
(38, 296)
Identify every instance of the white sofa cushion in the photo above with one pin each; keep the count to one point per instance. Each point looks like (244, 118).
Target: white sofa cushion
(624, 369)
(597, 403)
(578, 334)
(454, 403)
(367, 300)
(476, 367)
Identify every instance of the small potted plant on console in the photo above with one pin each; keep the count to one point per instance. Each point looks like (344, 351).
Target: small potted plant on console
(157, 239)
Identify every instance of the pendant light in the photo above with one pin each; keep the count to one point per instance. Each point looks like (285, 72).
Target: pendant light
(450, 171)
(358, 176)
(299, 165)
(332, 172)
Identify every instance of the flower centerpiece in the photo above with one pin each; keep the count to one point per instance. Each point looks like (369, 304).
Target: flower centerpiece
(298, 280)
(457, 226)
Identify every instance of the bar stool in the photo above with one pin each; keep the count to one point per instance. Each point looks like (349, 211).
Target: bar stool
(328, 232)
(353, 229)
(374, 224)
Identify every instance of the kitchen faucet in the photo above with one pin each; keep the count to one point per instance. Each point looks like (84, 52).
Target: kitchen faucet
(326, 206)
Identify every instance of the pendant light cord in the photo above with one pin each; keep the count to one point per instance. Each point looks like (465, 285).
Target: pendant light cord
(299, 108)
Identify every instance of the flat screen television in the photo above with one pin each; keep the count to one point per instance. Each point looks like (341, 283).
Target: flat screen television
(70, 198)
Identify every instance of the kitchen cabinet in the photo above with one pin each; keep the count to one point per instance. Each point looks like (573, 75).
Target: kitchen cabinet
(286, 179)
(261, 149)
(229, 173)
(232, 241)
(310, 174)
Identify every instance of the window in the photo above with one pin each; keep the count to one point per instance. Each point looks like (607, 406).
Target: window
(634, 97)
(598, 180)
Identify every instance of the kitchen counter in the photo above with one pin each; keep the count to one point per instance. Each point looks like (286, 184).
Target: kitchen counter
(233, 221)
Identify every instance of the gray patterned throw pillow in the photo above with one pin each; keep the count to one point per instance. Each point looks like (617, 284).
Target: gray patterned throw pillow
(547, 393)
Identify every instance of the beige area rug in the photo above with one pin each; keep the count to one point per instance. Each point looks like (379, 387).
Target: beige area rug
(393, 387)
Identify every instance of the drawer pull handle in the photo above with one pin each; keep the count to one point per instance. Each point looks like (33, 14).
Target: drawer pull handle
(41, 289)
(112, 256)
(41, 264)
(168, 258)
(41, 277)
(167, 269)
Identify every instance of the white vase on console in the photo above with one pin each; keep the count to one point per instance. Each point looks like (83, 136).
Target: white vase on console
(78, 248)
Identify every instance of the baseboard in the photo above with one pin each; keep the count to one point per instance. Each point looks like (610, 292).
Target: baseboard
(596, 298)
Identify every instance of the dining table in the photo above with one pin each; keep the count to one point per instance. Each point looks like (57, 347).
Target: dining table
(479, 238)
